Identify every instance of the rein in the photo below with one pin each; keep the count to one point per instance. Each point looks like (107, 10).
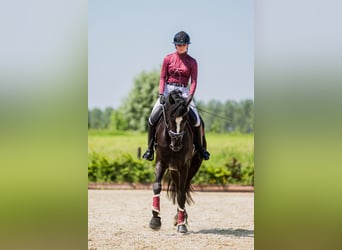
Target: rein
(165, 117)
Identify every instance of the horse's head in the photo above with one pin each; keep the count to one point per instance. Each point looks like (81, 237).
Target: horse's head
(176, 118)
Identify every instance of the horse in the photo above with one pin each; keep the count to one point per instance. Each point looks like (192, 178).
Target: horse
(176, 156)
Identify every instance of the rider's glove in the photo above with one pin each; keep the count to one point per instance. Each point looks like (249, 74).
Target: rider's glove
(161, 99)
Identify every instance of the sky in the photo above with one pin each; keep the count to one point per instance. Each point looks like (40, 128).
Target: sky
(131, 36)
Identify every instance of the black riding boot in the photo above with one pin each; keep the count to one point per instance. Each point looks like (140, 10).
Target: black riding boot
(149, 154)
(198, 143)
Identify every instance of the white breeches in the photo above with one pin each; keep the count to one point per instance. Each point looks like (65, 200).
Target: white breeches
(185, 93)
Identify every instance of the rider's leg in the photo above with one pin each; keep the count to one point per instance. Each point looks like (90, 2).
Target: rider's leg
(198, 133)
(149, 154)
(198, 143)
(152, 121)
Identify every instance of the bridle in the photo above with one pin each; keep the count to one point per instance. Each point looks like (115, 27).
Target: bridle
(173, 135)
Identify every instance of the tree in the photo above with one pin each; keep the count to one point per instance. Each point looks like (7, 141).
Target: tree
(139, 103)
(118, 121)
(96, 118)
(213, 123)
(134, 112)
(106, 117)
(248, 110)
(89, 119)
(230, 109)
(227, 117)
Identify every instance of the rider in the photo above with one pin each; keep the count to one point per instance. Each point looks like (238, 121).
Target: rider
(176, 71)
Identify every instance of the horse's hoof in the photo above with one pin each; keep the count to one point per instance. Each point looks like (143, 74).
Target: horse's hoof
(155, 223)
(182, 229)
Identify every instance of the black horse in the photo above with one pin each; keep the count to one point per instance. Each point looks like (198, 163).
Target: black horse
(175, 155)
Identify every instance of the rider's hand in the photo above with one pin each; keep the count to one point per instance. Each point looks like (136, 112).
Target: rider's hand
(161, 99)
(188, 100)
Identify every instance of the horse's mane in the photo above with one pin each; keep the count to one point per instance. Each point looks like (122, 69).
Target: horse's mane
(176, 103)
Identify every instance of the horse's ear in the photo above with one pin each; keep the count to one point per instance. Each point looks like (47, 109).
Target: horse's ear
(171, 100)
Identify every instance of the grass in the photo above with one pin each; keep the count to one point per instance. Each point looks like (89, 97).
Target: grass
(223, 147)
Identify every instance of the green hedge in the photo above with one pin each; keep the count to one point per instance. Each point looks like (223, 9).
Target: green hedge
(122, 169)
(125, 168)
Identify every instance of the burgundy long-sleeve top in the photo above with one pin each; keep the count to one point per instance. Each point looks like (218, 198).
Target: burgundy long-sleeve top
(178, 68)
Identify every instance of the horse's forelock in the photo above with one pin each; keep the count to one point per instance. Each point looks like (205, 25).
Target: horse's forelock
(176, 104)
(178, 109)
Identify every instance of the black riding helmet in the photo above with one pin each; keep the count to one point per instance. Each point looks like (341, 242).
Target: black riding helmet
(181, 38)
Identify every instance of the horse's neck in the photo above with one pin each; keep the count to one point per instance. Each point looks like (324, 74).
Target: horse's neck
(161, 129)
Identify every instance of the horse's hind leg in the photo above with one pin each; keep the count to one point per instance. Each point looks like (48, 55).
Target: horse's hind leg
(155, 222)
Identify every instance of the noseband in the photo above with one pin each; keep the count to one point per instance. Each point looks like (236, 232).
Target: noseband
(174, 135)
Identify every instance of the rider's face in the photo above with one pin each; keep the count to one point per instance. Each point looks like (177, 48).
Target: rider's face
(182, 48)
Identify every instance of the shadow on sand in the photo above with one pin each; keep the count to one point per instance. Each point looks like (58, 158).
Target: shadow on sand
(229, 231)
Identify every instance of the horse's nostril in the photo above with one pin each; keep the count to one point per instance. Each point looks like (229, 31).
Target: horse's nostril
(174, 148)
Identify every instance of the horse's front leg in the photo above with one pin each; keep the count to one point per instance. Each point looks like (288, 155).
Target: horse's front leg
(155, 222)
(181, 198)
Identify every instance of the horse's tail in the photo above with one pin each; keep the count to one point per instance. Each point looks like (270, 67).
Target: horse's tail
(172, 178)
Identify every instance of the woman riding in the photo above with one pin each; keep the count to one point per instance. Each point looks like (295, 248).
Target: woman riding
(176, 71)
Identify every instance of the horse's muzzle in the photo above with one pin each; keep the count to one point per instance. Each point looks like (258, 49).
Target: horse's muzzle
(176, 138)
(175, 148)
